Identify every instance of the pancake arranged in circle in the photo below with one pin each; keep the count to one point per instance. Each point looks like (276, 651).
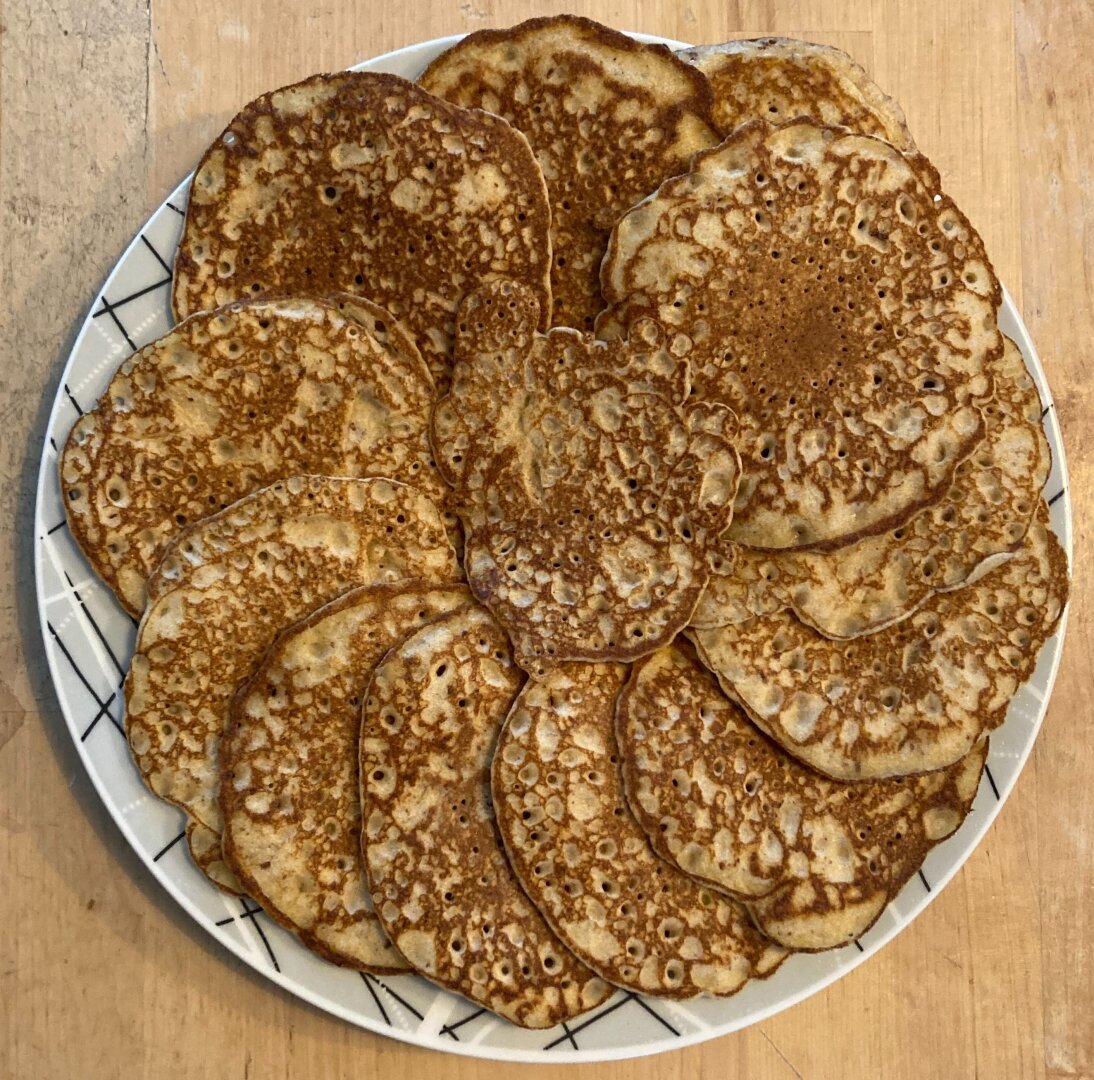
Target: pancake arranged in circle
(363, 183)
(207, 853)
(441, 884)
(911, 698)
(817, 860)
(303, 542)
(839, 303)
(585, 861)
(858, 589)
(781, 79)
(592, 496)
(230, 401)
(288, 760)
(607, 117)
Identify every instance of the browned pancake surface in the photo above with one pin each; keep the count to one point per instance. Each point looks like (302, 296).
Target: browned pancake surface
(817, 860)
(363, 183)
(228, 402)
(608, 118)
(289, 793)
(440, 880)
(585, 862)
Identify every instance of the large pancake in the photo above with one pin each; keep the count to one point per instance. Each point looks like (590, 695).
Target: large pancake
(440, 881)
(607, 117)
(585, 862)
(839, 303)
(309, 540)
(364, 183)
(288, 761)
(878, 581)
(911, 698)
(230, 401)
(781, 79)
(592, 497)
(726, 805)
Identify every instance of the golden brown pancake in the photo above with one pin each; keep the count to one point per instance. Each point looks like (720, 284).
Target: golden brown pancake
(363, 183)
(441, 884)
(607, 117)
(780, 79)
(228, 402)
(863, 587)
(592, 497)
(911, 698)
(288, 760)
(816, 860)
(585, 862)
(839, 303)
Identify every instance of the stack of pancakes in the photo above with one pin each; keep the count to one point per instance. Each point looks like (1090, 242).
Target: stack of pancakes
(586, 522)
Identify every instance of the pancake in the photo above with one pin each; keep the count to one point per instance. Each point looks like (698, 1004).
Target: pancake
(591, 496)
(839, 303)
(228, 402)
(724, 804)
(607, 117)
(585, 862)
(363, 183)
(310, 539)
(440, 881)
(208, 855)
(288, 759)
(781, 79)
(861, 588)
(911, 698)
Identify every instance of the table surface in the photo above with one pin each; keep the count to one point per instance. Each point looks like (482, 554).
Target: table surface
(104, 105)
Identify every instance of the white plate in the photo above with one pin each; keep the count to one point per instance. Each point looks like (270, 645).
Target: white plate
(89, 640)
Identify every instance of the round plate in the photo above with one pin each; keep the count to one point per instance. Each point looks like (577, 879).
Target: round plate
(89, 640)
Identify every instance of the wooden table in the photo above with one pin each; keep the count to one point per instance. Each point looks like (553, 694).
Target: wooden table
(105, 105)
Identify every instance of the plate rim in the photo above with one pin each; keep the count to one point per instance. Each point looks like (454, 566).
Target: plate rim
(1022, 337)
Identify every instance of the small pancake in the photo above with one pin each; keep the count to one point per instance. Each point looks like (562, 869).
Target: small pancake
(363, 183)
(607, 117)
(781, 79)
(839, 303)
(228, 402)
(726, 805)
(911, 698)
(585, 862)
(440, 881)
(288, 762)
(880, 580)
(317, 538)
(591, 496)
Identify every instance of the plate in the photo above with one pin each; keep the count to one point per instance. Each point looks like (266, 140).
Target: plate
(89, 640)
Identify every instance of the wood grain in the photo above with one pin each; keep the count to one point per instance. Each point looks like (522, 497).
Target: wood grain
(104, 105)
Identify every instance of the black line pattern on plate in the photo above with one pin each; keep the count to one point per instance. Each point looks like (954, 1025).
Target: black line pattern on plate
(1058, 496)
(94, 625)
(450, 1029)
(172, 206)
(167, 847)
(571, 1033)
(75, 405)
(60, 525)
(109, 308)
(991, 780)
(252, 913)
(926, 883)
(858, 945)
(639, 1000)
(104, 706)
(376, 998)
(397, 997)
(158, 257)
